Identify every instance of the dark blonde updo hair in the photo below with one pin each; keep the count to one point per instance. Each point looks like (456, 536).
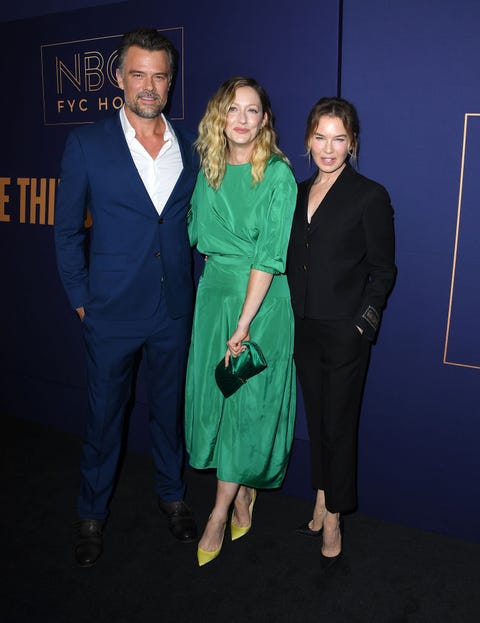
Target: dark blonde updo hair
(343, 110)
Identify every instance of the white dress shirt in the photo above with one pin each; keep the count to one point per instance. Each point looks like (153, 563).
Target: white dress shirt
(159, 174)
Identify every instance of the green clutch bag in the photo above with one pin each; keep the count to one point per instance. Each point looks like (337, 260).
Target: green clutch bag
(240, 369)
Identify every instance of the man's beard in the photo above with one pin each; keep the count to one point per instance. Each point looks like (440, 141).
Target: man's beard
(150, 112)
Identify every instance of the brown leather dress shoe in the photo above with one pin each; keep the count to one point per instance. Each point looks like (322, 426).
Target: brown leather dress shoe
(180, 520)
(89, 541)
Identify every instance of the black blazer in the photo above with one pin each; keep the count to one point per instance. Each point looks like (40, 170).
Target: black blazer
(341, 265)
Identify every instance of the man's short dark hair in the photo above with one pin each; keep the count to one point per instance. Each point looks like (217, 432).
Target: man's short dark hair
(147, 39)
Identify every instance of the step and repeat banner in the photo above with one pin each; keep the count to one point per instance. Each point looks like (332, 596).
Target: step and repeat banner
(412, 69)
(64, 67)
(413, 78)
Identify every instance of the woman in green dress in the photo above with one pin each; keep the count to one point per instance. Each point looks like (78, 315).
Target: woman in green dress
(240, 219)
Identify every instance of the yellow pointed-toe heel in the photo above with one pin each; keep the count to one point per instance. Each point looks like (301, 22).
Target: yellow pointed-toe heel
(238, 531)
(205, 557)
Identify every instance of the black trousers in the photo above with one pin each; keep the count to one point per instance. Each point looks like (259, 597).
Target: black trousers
(332, 360)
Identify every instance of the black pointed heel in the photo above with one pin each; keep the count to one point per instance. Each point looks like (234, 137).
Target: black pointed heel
(328, 561)
(305, 530)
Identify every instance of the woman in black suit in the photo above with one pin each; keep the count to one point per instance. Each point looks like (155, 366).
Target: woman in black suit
(340, 270)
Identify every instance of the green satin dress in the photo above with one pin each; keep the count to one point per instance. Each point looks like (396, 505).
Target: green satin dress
(248, 436)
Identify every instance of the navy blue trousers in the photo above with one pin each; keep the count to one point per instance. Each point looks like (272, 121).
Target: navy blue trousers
(112, 347)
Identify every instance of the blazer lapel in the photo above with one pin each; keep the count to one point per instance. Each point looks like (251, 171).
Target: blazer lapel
(302, 201)
(128, 173)
(127, 170)
(188, 168)
(333, 196)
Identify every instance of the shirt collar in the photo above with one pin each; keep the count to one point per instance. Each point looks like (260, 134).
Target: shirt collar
(129, 131)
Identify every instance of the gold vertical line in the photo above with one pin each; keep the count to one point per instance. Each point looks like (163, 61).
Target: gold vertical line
(43, 86)
(454, 266)
(455, 249)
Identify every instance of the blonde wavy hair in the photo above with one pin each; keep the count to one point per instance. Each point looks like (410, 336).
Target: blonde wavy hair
(212, 145)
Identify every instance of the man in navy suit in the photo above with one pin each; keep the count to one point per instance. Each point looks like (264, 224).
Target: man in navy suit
(133, 289)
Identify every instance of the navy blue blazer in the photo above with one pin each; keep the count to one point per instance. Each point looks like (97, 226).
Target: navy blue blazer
(119, 270)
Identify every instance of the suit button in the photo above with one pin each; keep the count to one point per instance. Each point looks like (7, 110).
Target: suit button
(157, 254)
(305, 267)
(160, 221)
(307, 245)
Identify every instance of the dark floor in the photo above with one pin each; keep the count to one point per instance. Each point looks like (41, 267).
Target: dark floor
(388, 574)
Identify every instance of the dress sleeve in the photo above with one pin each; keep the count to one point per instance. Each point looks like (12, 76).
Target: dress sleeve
(274, 234)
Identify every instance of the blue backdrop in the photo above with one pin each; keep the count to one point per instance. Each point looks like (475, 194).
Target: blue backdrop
(64, 69)
(412, 75)
(412, 70)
